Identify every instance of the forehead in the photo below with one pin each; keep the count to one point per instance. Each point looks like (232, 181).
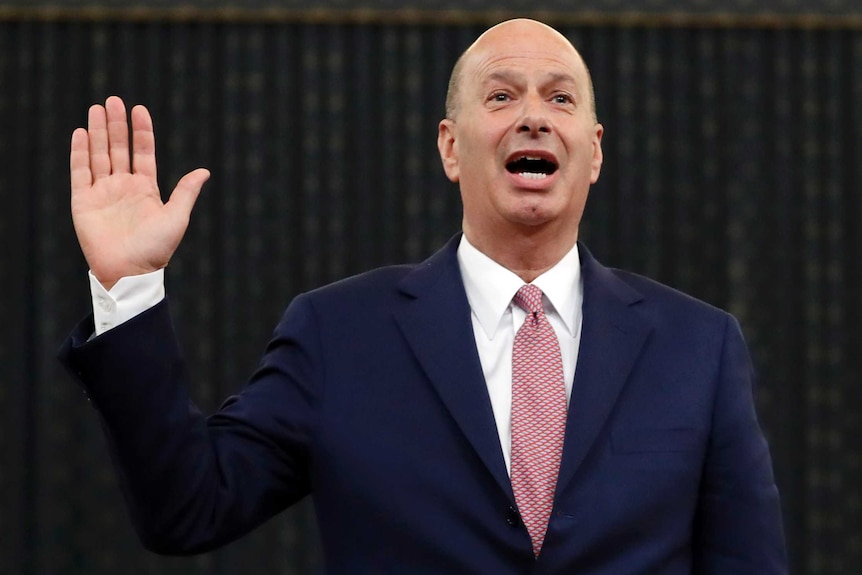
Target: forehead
(538, 55)
(521, 68)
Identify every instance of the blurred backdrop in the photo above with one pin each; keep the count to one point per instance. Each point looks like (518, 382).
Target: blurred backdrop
(733, 167)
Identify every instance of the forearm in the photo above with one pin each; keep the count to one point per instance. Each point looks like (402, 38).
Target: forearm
(191, 485)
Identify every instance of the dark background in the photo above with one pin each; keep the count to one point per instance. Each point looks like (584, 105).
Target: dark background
(733, 167)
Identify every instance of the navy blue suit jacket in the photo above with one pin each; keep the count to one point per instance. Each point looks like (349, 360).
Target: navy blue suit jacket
(371, 398)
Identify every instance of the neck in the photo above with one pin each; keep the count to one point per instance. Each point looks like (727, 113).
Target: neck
(528, 255)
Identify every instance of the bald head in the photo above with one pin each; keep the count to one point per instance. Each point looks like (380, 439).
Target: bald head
(501, 35)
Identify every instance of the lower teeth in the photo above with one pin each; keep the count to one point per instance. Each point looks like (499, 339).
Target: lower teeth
(533, 175)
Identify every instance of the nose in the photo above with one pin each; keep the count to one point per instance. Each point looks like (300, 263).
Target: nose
(534, 120)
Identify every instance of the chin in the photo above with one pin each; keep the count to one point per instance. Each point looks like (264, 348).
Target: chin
(531, 217)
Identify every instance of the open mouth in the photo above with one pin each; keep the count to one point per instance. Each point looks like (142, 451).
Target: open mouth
(532, 167)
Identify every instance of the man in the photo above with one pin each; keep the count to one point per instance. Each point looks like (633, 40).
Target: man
(508, 406)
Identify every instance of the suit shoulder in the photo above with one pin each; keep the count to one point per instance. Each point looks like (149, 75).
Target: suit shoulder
(667, 301)
(368, 289)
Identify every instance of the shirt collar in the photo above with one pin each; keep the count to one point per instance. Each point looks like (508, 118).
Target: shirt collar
(490, 287)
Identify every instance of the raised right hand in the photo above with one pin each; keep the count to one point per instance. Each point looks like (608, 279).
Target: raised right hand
(122, 224)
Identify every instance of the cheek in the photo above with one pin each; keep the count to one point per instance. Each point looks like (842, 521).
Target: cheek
(582, 153)
(472, 160)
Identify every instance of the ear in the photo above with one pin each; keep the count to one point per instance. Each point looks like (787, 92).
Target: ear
(448, 148)
(598, 155)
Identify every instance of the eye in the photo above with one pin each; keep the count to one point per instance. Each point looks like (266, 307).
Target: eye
(499, 97)
(562, 99)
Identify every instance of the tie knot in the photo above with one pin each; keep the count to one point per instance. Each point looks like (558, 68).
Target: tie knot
(529, 299)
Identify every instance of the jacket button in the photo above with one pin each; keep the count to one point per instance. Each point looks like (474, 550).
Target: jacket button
(513, 518)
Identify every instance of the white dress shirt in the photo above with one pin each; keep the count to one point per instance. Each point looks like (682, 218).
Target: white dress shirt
(127, 298)
(490, 288)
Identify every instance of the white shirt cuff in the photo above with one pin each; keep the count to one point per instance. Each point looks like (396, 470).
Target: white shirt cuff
(130, 296)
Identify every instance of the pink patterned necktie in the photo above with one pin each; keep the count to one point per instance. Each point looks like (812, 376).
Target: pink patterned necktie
(538, 415)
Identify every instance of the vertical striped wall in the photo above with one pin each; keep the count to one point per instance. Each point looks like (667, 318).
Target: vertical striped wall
(733, 169)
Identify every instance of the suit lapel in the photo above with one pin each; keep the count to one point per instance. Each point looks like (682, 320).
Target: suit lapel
(436, 323)
(612, 336)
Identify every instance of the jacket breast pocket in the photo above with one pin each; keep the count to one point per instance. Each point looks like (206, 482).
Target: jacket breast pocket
(653, 440)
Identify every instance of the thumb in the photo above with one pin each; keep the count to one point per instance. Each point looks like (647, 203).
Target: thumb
(186, 193)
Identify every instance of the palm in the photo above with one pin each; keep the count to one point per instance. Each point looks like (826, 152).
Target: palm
(119, 226)
(122, 225)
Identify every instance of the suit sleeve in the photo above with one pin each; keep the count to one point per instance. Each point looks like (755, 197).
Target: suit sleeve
(194, 483)
(738, 528)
